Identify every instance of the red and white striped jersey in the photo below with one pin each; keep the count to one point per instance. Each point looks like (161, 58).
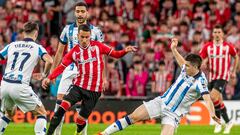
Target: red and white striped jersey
(89, 63)
(161, 80)
(219, 59)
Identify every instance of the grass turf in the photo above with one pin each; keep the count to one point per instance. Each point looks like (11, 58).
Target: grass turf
(69, 129)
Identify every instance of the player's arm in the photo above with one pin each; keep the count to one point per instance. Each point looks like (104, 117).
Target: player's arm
(67, 60)
(235, 65)
(48, 63)
(4, 52)
(58, 55)
(116, 54)
(180, 60)
(203, 89)
(209, 104)
(61, 47)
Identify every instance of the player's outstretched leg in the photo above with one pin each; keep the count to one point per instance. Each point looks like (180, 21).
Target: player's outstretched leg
(138, 115)
(41, 122)
(56, 119)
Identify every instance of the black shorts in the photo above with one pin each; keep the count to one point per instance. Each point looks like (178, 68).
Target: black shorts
(219, 85)
(88, 98)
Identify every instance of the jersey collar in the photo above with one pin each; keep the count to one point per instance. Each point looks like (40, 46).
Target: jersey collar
(197, 75)
(28, 39)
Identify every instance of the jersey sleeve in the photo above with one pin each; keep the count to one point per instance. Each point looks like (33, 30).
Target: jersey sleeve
(63, 37)
(4, 52)
(203, 52)
(41, 52)
(68, 58)
(232, 50)
(99, 35)
(202, 86)
(104, 49)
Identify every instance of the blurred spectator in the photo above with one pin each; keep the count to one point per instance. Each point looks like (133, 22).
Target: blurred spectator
(161, 80)
(136, 80)
(200, 27)
(52, 48)
(114, 86)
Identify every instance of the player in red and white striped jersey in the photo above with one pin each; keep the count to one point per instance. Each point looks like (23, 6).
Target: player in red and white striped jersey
(87, 85)
(217, 55)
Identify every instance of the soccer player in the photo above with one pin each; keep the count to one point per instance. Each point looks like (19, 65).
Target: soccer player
(87, 85)
(22, 57)
(69, 37)
(217, 54)
(176, 101)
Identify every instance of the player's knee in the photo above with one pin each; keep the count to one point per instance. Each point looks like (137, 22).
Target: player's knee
(40, 110)
(9, 114)
(65, 105)
(134, 118)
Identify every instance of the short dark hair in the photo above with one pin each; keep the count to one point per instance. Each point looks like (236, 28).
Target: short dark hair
(29, 27)
(161, 63)
(81, 4)
(218, 26)
(194, 59)
(84, 27)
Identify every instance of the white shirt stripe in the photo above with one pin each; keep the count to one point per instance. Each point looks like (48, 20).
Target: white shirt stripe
(83, 67)
(98, 69)
(226, 63)
(91, 70)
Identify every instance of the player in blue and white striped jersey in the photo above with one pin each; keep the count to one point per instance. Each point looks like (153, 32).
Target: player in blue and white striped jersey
(176, 101)
(69, 37)
(22, 57)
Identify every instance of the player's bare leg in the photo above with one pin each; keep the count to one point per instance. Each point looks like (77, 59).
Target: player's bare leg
(138, 114)
(41, 122)
(216, 98)
(167, 129)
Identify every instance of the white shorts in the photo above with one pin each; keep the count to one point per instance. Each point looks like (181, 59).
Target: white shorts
(66, 81)
(20, 95)
(157, 109)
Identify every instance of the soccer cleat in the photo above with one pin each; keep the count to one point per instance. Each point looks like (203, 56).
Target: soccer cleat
(76, 133)
(218, 128)
(228, 127)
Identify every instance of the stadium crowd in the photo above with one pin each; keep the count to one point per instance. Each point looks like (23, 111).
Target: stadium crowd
(148, 24)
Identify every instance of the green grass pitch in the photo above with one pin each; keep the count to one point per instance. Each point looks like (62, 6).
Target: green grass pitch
(68, 129)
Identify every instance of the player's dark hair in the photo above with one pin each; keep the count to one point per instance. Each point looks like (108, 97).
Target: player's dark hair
(84, 27)
(29, 27)
(81, 4)
(194, 59)
(218, 26)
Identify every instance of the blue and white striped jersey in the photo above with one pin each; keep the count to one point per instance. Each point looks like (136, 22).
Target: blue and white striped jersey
(69, 37)
(22, 57)
(184, 92)
(70, 32)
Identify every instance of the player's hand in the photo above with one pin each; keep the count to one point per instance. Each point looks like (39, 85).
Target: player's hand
(45, 83)
(215, 118)
(105, 84)
(131, 49)
(233, 74)
(174, 43)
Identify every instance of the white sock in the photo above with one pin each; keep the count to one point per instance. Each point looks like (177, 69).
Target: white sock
(117, 126)
(58, 130)
(40, 125)
(4, 121)
(84, 131)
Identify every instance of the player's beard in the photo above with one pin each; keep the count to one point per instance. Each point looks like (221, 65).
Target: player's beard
(81, 20)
